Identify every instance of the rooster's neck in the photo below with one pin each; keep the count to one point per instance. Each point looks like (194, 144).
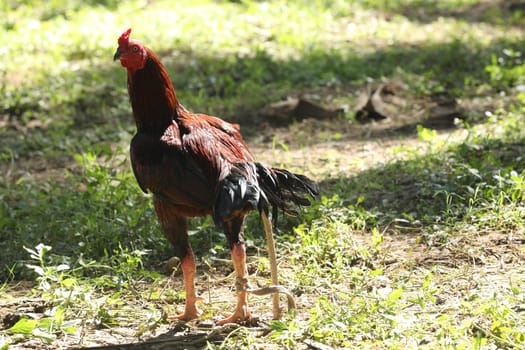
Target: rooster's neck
(152, 96)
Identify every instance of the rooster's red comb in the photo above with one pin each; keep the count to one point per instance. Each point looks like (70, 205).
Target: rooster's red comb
(124, 38)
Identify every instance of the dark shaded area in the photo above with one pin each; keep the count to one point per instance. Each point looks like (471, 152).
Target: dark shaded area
(438, 111)
(182, 337)
(237, 88)
(298, 109)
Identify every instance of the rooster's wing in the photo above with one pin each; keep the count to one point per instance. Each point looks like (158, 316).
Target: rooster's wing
(188, 162)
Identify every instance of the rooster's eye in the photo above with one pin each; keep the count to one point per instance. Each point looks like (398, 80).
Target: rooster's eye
(135, 48)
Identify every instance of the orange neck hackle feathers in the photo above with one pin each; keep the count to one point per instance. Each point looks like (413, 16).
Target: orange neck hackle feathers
(151, 92)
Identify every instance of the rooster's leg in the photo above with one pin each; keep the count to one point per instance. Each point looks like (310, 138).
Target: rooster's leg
(233, 231)
(175, 228)
(241, 312)
(191, 311)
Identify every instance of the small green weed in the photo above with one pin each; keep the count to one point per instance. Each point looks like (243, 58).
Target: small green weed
(507, 69)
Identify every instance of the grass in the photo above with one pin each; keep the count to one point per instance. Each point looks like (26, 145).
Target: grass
(416, 242)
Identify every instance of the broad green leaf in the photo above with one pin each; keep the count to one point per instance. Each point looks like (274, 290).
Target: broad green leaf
(69, 283)
(23, 326)
(46, 323)
(395, 294)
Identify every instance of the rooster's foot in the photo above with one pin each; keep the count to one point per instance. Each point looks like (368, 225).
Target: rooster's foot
(191, 312)
(241, 314)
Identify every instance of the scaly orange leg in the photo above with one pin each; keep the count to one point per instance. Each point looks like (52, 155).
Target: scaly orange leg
(191, 311)
(241, 312)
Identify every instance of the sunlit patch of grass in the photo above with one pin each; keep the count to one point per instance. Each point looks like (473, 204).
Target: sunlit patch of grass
(363, 301)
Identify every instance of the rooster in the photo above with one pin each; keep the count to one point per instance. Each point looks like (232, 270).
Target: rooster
(198, 165)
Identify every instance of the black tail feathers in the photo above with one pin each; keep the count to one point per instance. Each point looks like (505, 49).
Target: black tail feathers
(251, 186)
(237, 192)
(283, 190)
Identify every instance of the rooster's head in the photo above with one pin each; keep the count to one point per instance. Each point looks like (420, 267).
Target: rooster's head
(131, 53)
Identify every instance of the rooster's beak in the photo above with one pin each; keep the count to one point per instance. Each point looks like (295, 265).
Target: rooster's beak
(117, 55)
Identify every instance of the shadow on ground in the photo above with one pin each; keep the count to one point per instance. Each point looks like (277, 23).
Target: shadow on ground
(237, 88)
(457, 184)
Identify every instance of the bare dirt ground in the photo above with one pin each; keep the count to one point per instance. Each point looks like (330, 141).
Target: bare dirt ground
(322, 149)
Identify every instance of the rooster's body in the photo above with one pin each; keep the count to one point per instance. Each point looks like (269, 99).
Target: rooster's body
(198, 165)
